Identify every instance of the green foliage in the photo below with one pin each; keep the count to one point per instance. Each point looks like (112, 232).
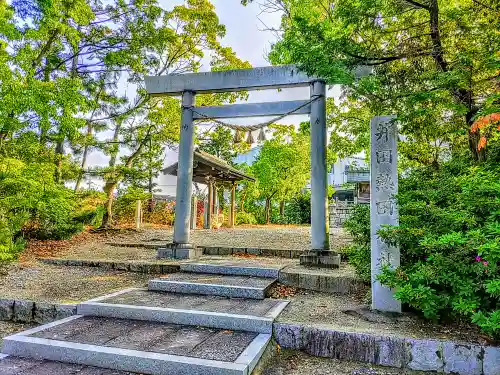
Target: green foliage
(282, 167)
(298, 209)
(358, 253)
(245, 218)
(434, 62)
(32, 205)
(126, 202)
(449, 236)
(219, 142)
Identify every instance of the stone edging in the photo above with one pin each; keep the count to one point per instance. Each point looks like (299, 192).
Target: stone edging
(140, 267)
(25, 311)
(399, 352)
(280, 253)
(222, 250)
(321, 283)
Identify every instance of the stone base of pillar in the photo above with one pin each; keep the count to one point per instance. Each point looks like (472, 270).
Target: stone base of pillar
(179, 251)
(321, 259)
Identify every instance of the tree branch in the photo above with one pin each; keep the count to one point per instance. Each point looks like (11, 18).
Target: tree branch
(480, 3)
(416, 4)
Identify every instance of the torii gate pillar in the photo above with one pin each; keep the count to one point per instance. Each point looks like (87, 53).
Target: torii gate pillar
(319, 254)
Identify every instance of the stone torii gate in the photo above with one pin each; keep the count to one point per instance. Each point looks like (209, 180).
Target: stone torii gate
(272, 77)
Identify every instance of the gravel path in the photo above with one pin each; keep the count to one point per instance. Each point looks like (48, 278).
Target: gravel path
(59, 284)
(272, 237)
(297, 363)
(268, 237)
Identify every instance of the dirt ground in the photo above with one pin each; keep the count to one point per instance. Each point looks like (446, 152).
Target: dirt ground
(9, 328)
(93, 246)
(268, 237)
(297, 363)
(59, 284)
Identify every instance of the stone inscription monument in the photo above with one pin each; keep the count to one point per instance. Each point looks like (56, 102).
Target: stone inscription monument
(383, 208)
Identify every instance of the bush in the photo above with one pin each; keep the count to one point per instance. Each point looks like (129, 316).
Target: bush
(90, 208)
(358, 253)
(298, 209)
(32, 205)
(449, 236)
(245, 218)
(160, 212)
(125, 204)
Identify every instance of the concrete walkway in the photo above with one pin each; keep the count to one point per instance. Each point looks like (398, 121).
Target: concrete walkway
(208, 319)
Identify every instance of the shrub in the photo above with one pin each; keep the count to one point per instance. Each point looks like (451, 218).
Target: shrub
(245, 218)
(298, 209)
(160, 212)
(449, 236)
(90, 208)
(125, 204)
(32, 205)
(358, 253)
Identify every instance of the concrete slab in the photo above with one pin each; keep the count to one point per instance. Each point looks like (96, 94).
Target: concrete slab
(232, 268)
(218, 285)
(140, 347)
(208, 311)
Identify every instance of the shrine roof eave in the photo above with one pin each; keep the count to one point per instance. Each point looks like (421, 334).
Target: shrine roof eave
(208, 167)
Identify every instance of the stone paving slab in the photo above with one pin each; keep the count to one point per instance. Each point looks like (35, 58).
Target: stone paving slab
(227, 267)
(239, 306)
(207, 311)
(153, 337)
(218, 285)
(25, 366)
(200, 278)
(141, 347)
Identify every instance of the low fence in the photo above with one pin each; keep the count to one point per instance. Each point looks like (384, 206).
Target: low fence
(340, 212)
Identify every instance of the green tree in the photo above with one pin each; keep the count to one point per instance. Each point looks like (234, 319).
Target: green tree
(187, 33)
(282, 167)
(434, 63)
(220, 143)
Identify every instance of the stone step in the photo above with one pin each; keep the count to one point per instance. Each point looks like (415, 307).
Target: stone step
(198, 310)
(214, 285)
(141, 347)
(232, 269)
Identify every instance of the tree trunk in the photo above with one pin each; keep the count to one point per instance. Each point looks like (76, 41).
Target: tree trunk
(282, 209)
(58, 160)
(109, 189)
(113, 181)
(87, 146)
(268, 211)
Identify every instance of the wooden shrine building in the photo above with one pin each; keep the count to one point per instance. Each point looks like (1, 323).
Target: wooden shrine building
(213, 172)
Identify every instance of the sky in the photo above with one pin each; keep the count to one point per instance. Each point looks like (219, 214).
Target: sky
(246, 34)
